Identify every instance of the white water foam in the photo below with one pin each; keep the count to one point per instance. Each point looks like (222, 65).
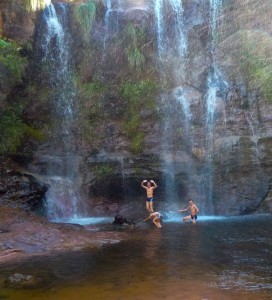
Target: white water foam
(86, 221)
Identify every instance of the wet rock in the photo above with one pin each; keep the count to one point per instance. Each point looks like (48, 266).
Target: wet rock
(21, 281)
(19, 188)
(242, 134)
(120, 220)
(17, 23)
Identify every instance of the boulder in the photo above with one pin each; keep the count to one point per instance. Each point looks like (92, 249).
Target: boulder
(120, 220)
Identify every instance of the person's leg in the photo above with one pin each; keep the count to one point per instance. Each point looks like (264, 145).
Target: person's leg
(151, 206)
(147, 206)
(194, 219)
(186, 218)
(159, 224)
(155, 221)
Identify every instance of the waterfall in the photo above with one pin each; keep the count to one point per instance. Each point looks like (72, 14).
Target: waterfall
(164, 43)
(179, 27)
(159, 25)
(107, 23)
(215, 83)
(172, 48)
(63, 196)
(111, 20)
(185, 105)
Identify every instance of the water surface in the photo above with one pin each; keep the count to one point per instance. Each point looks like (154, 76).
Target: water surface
(221, 258)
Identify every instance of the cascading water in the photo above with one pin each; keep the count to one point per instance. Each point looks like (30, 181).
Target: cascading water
(106, 22)
(111, 20)
(158, 7)
(215, 83)
(63, 196)
(164, 42)
(172, 48)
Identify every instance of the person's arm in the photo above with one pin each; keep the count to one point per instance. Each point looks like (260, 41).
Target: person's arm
(142, 184)
(155, 185)
(181, 210)
(147, 218)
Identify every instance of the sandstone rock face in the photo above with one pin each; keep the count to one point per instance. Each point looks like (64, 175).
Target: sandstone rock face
(20, 189)
(15, 22)
(164, 134)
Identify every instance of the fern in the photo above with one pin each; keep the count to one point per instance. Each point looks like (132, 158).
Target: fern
(134, 38)
(85, 15)
(10, 57)
(135, 58)
(14, 130)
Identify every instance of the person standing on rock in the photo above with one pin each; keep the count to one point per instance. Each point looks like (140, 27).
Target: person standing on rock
(194, 212)
(156, 216)
(149, 193)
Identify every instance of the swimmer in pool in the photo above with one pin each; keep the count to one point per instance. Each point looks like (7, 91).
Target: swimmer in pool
(156, 216)
(149, 193)
(194, 212)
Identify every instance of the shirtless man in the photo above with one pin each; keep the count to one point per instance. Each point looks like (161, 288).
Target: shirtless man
(194, 212)
(149, 193)
(156, 218)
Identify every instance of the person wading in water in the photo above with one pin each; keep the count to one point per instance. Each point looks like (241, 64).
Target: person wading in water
(194, 212)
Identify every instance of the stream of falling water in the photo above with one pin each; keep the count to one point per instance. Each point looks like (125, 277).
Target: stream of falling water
(173, 48)
(62, 198)
(215, 83)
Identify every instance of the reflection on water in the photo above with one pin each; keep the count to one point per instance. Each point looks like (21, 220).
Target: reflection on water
(226, 259)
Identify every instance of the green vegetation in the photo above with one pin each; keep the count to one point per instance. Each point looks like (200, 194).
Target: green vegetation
(34, 5)
(134, 39)
(103, 171)
(91, 106)
(92, 89)
(259, 74)
(138, 95)
(14, 130)
(255, 61)
(85, 15)
(11, 59)
(91, 92)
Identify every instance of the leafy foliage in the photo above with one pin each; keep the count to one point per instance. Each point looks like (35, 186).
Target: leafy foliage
(135, 58)
(85, 15)
(254, 57)
(259, 72)
(13, 131)
(10, 57)
(93, 89)
(90, 105)
(138, 95)
(134, 39)
(103, 170)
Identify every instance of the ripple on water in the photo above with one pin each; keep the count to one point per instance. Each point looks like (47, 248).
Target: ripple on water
(221, 259)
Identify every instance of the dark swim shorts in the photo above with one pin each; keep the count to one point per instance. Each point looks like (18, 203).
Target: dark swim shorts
(194, 217)
(149, 199)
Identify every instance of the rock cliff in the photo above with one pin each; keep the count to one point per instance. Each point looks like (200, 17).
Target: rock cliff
(132, 121)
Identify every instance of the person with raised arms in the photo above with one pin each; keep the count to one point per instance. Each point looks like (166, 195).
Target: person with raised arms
(149, 193)
(194, 212)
